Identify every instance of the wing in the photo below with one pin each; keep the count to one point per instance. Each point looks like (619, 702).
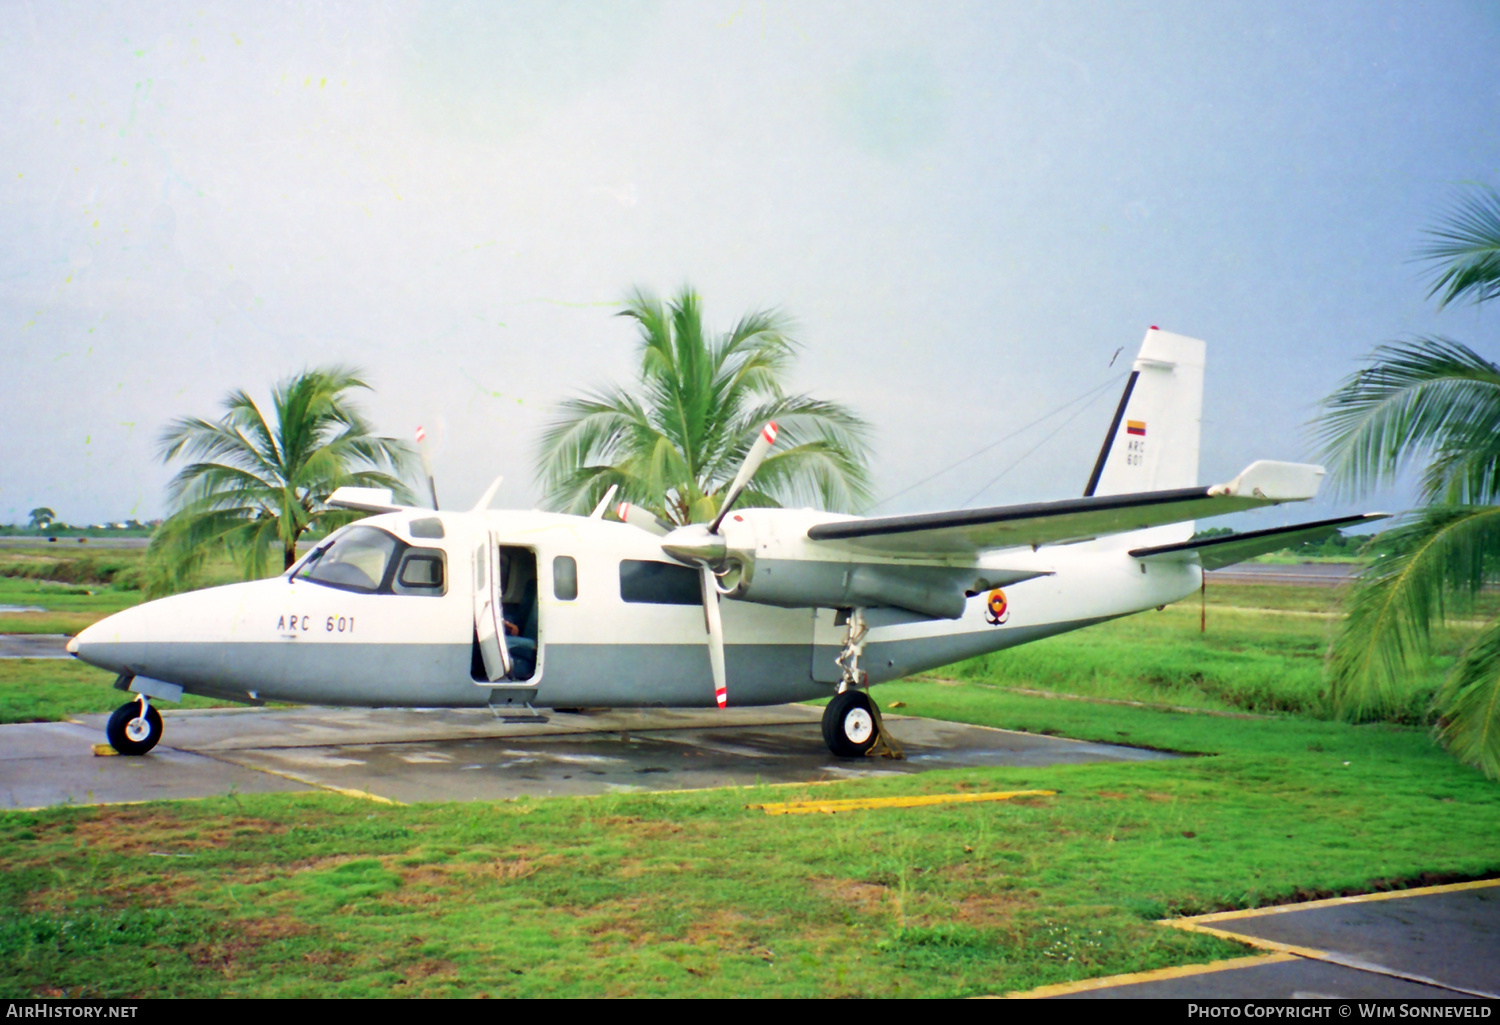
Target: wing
(970, 531)
(1218, 552)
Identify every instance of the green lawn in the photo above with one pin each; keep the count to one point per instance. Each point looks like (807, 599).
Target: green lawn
(696, 894)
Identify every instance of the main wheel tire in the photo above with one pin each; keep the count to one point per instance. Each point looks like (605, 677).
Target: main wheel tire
(131, 733)
(849, 724)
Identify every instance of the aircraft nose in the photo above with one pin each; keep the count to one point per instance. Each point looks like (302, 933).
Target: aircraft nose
(114, 642)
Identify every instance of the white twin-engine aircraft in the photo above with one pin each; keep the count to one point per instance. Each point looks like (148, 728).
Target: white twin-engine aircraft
(419, 608)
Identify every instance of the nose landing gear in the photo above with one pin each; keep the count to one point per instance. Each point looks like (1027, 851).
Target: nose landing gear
(134, 728)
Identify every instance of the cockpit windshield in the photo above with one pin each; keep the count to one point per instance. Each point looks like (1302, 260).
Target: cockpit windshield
(356, 561)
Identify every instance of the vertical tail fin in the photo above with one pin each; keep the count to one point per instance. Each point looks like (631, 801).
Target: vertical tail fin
(1152, 444)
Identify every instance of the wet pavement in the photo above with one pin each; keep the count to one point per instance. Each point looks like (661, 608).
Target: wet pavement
(52, 763)
(412, 755)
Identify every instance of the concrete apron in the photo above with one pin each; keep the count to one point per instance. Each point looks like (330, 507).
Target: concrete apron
(408, 755)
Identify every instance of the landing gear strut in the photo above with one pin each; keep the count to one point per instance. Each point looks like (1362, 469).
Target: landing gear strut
(134, 728)
(852, 726)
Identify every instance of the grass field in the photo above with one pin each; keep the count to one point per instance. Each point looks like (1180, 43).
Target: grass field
(697, 894)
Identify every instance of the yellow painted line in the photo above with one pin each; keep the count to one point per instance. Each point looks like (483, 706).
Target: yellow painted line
(1279, 909)
(1156, 975)
(1188, 925)
(345, 791)
(866, 803)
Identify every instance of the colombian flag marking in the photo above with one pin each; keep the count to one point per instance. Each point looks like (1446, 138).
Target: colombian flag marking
(1137, 427)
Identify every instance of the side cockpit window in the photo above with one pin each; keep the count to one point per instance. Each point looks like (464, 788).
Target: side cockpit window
(370, 561)
(421, 572)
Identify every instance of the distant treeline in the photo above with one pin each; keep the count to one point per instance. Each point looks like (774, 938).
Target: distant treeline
(69, 530)
(1336, 545)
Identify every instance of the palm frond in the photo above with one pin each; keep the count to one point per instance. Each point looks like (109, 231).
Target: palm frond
(255, 485)
(1436, 562)
(1469, 703)
(1415, 400)
(1467, 249)
(676, 439)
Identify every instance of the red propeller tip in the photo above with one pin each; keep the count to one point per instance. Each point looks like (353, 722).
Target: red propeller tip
(769, 433)
(722, 698)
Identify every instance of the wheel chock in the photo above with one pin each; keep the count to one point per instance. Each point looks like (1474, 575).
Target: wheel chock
(103, 750)
(885, 745)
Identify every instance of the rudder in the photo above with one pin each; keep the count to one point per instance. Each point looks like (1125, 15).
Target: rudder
(1152, 443)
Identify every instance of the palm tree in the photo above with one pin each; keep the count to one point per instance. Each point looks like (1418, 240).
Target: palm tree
(42, 517)
(674, 440)
(254, 484)
(1435, 403)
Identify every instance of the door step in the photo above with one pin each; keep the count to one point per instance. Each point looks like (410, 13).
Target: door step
(515, 707)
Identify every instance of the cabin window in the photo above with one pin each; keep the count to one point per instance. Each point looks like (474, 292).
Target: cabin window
(430, 527)
(421, 572)
(565, 578)
(356, 561)
(659, 583)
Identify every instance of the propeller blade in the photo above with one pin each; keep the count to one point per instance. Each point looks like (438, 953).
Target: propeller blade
(753, 459)
(715, 626)
(643, 518)
(426, 464)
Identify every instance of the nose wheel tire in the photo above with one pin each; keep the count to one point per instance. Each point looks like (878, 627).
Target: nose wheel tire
(131, 733)
(849, 724)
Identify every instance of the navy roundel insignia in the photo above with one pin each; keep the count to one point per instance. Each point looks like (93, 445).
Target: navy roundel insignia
(996, 609)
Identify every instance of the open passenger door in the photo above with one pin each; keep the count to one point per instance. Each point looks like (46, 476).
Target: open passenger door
(488, 616)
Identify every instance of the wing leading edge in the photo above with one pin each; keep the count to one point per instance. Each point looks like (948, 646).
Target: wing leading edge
(970, 531)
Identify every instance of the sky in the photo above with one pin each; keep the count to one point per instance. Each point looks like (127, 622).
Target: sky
(968, 209)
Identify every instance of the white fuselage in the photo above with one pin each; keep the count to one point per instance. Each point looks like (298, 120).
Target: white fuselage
(291, 639)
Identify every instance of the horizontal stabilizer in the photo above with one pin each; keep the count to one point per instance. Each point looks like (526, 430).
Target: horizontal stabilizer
(370, 500)
(1218, 552)
(969, 531)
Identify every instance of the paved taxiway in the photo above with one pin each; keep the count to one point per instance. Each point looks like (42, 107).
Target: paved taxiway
(1432, 943)
(446, 754)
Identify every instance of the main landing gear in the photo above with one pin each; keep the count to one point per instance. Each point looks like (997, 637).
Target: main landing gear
(134, 728)
(852, 727)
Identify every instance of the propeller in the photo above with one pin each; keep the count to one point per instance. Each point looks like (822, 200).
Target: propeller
(703, 546)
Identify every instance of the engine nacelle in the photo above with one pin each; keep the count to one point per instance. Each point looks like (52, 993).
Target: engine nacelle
(941, 592)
